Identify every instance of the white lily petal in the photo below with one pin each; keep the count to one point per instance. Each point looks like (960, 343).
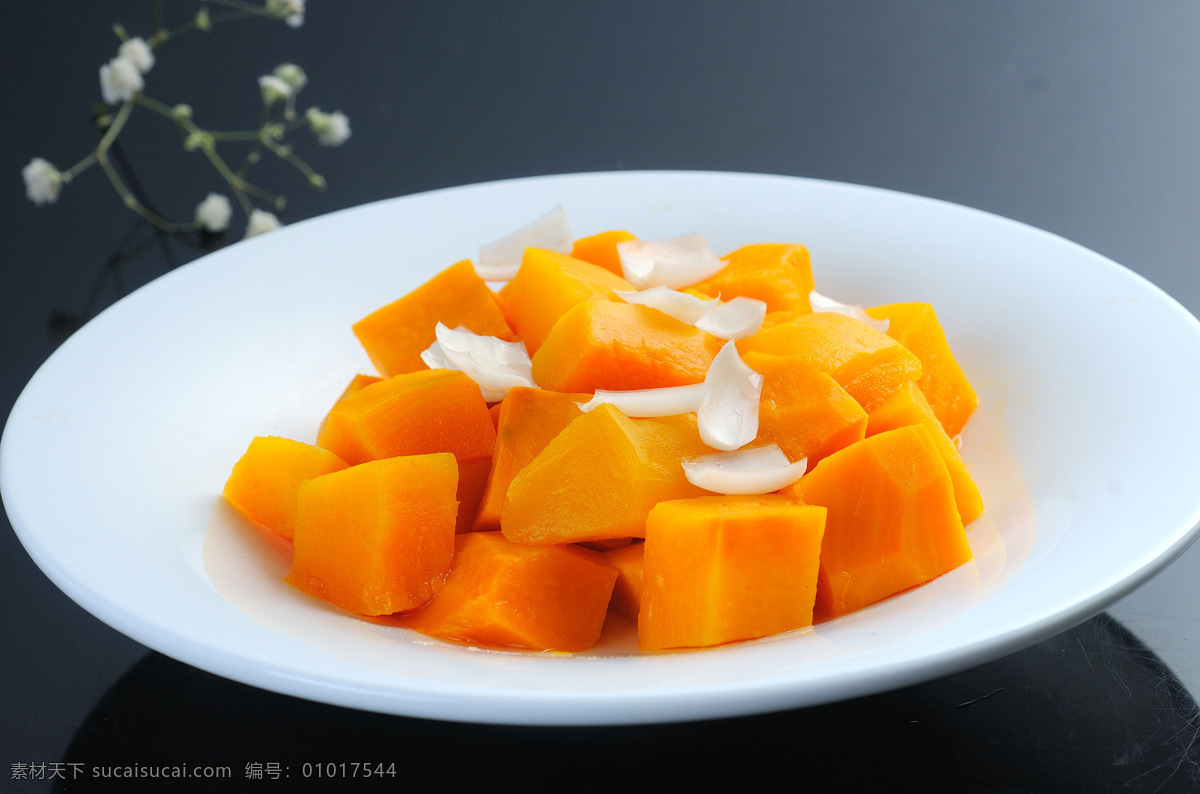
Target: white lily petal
(683, 307)
(645, 403)
(758, 470)
(728, 413)
(494, 364)
(821, 303)
(737, 318)
(500, 259)
(435, 358)
(675, 263)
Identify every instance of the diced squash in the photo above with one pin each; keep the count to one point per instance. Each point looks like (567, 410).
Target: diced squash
(356, 383)
(719, 569)
(528, 420)
(804, 410)
(412, 414)
(546, 286)
(377, 538)
(599, 478)
(916, 326)
(618, 346)
(511, 595)
(627, 593)
(908, 406)
(892, 523)
(395, 335)
(601, 249)
(266, 480)
(777, 274)
(868, 364)
(472, 482)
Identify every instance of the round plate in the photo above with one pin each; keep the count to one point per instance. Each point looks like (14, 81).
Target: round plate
(114, 457)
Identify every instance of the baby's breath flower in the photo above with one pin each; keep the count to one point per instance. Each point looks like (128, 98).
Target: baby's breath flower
(139, 54)
(43, 182)
(213, 213)
(293, 75)
(120, 80)
(261, 222)
(332, 129)
(291, 10)
(203, 20)
(274, 89)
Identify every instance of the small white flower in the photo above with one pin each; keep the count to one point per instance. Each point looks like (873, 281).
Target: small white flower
(293, 75)
(213, 213)
(139, 54)
(332, 129)
(291, 10)
(262, 221)
(120, 80)
(274, 89)
(43, 182)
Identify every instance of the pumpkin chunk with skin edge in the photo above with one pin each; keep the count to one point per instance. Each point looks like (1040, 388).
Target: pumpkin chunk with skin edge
(600, 477)
(512, 595)
(892, 523)
(916, 326)
(721, 569)
(622, 346)
(867, 363)
(395, 335)
(547, 286)
(377, 538)
(265, 482)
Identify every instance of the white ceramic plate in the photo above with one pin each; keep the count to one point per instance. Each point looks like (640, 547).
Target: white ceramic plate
(114, 456)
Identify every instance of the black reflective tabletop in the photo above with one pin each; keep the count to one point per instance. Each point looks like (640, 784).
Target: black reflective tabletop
(1076, 117)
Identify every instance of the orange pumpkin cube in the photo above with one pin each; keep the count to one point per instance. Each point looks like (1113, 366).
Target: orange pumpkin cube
(916, 326)
(618, 346)
(546, 286)
(893, 523)
(627, 593)
(867, 363)
(266, 480)
(720, 569)
(599, 478)
(908, 406)
(778, 274)
(377, 538)
(396, 335)
(601, 249)
(510, 595)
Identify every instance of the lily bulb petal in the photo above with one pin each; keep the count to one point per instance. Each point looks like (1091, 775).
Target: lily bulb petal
(821, 303)
(728, 413)
(675, 263)
(649, 403)
(500, 259)
(758, 470)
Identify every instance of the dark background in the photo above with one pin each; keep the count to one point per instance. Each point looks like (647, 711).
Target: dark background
(1077, 117)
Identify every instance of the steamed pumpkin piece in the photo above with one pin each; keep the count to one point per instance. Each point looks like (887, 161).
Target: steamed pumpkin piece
(266, 480)
(908, 406)
(418, 413)
(779, 275)
(395, 335)
(377, 538)
(868, 364)
(529, 419)
(599, 478)
(720, 569)
(601, 249)
(803, 410)
(621, 346)
(627, 593)
(892, 522)
(916, 326)
(546, 286)
(511, 595)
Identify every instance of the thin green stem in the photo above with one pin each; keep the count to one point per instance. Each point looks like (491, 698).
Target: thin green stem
(79, 167)
(286, 153)
(127, 197)
(249, 8)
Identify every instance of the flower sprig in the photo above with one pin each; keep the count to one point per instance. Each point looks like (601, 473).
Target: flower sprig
(123, 88)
